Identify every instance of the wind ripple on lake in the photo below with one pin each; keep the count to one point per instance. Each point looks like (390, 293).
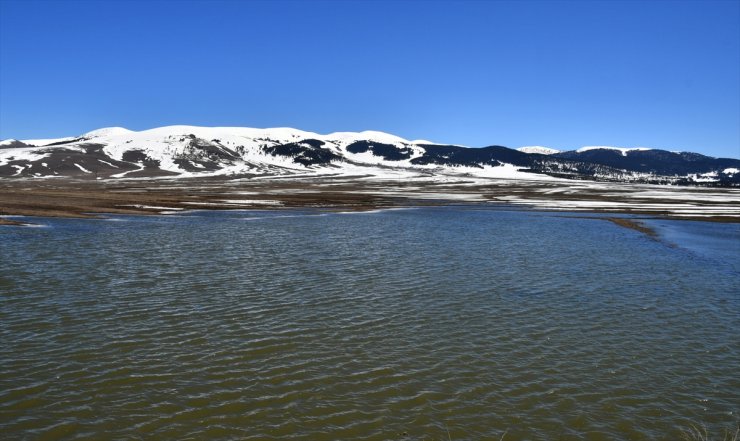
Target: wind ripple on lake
(362, 327)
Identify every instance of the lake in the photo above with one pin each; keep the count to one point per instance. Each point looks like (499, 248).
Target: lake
(446, 323)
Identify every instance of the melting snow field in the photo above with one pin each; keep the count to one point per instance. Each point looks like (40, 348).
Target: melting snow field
(355, 190)
(647, 199)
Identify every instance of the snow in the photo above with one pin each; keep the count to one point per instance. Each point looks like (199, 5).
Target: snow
(367, 135)
(46, 141)
(704, 177)
(21, 154)
(108, 163)
(705, 195)
(82, 168)
(504, 171)
(153, 207)
(624, 150)
(730, 171)
(106, 132)
(123, 175)
(165, 143)
(684, 207)
(538, 149)
(467, 197)
(635, 198)
(251, 202)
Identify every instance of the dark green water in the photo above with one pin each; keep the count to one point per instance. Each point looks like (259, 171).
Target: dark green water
(450, 323)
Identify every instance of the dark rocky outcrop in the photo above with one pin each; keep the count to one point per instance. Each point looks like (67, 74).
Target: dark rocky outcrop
(306, 152)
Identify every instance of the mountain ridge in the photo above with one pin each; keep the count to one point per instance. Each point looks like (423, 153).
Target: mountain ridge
(191, 151)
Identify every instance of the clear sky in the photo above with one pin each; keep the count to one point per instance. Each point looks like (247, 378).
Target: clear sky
(662, 74)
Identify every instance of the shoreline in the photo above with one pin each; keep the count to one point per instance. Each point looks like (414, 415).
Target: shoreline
(92, 199)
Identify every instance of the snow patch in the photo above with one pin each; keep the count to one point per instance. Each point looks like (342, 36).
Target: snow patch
(46, 141)
(538, 149)
(106, 132)
(152, 207)
(623, 150)
(82, 168)
(704, 177)
(252, 202)
(22, 154)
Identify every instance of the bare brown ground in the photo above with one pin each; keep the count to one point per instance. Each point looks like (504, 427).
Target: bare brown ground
(10, 222)
(89, 198)
(633, 225)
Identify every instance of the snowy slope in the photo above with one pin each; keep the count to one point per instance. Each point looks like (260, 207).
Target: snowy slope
(188, 151)
(191, 151)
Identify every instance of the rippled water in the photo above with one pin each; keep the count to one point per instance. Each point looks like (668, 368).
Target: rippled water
(448, 323)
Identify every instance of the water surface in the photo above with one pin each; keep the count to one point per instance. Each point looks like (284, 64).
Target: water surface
(440, 323)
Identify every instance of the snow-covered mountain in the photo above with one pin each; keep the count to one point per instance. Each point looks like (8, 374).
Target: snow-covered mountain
(189, 151)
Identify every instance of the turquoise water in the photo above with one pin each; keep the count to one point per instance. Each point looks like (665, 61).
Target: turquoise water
(435, 323)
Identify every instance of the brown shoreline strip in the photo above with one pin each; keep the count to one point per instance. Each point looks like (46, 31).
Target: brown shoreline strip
(632, 225)
(622, 222)
(4, 221)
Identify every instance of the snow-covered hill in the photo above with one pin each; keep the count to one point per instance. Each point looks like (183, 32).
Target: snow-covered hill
(189, 151)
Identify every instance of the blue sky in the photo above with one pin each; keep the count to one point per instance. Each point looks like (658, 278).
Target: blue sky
(662, 74)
